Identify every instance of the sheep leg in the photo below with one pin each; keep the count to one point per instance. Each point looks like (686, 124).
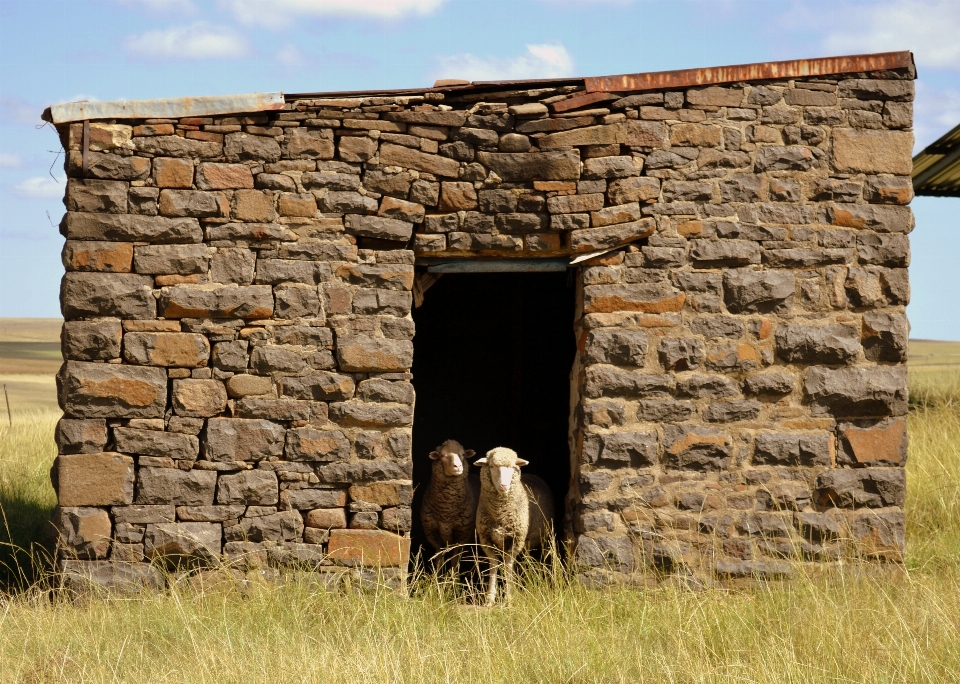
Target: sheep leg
(508, 575)
(492, 576)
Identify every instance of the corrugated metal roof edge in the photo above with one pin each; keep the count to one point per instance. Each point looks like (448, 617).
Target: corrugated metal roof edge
(660, 80)
(936, 168)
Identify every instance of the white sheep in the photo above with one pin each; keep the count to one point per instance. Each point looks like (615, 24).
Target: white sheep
(449, 508)
(512, 515)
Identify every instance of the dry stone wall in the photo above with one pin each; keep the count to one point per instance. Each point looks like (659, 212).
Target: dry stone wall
(238, 333)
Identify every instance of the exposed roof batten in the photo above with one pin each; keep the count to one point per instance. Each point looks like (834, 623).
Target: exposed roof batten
(936, 170)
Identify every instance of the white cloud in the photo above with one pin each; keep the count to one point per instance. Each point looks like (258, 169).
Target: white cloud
(40, 187)
(16, 110)
(10, 161)
(928, 27)
(290, 56)
(279, 13)
(539, 61)
(162, 6)
(197, 41)
(934, 113)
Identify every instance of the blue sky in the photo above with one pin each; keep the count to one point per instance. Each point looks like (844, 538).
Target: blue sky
(65, 50)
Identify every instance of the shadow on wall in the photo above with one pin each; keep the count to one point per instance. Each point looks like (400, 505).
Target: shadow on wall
(491, 366)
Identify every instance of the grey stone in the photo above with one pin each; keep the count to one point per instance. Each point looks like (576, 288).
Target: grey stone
(884, 250)
(608, 381)
(187, 350)
(612, 167)
(91, 340)
(794, 158)
(617, 347)
(233, 266)
(110, 575)
(362, 354)
(760, 569)
(166, 486)
(364, 471)
(251, 487)
(604, 413)
(519, 167)
(84, 532)
(742, 187)
(282, 271)
(296, 301)
(861, 487)
(125, 295)
(706, 387)
(130, 228)
(283, 182)
(664, 410)
(358, 414)
(768, 384)
(140, 515)
(310, 444)
(621, 449)
(282, 526)
(384, 302)
(747, 291)
(240, 147)
(303, 335)
(594, 483)
(731, 252)
(853, 392)
(196, 541)
(155, 443)
(240, 439)
(212, 301)
(209, 513)
(885, 336)
(108, 196)
(378, 227)
(731, 411)
(716, 327)
(823, 344)
(81, 436)
(115, 167)
(376, 389)
(680, 354)
(609, 553)
(696, 448)
(321, 386)
(344, 202)
(170, 259)
(230, 356)
(792, 449)
(102, 390)
(663, 257)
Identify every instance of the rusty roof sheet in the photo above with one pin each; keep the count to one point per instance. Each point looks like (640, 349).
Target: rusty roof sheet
(936, 170)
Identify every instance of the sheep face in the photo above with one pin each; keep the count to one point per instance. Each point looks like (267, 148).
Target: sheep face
(502, 467)
(452, 458)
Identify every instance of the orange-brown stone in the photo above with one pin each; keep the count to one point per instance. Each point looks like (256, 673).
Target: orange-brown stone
(109, 257)
(877, 444)
(169, 172)
(104, 479)
(370, 548)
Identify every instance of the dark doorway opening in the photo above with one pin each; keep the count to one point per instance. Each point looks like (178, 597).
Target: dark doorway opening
(491, 367)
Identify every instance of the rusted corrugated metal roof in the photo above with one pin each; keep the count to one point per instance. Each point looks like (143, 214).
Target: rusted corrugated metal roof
(936, 170)
(665, 80)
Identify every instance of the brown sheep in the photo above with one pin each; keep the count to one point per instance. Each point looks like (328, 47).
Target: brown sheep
(512, 515)
(449, 508)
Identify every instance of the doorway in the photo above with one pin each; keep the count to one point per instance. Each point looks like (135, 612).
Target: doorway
(491, 367)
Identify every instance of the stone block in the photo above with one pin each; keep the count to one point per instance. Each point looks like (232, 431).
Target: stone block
(609, 553)
(239, 439)
(194, 204)
(81, 436)
(326, 518)
(634, 189)
(397, 155)
(273, 358)
(520, 167)
(100, 390)
(776, 384)
(305, 499)
(383, 493)
(171, 259)
(91, 340)
(611, 167)
(884, 250)
(172, 486)
(861, 487)
(241, 147)
(362, 414)
(175, 146)
(818, 344)
(199, 398)
(170, 172)
(780, 158)
(864, 151)
(183, 350)
(793, 449)
(888, 189)
(455, 196)
(747, 291)
(274, 527)
(664, 410)
(216, 301)
(378, 227)
(233, 266)
(873, 443)
(208, 513)
(696, 448)
(368, 548)
(880, 534)
(885, 336)
(608, 381)
(621, 449)
(110, 575)
(107, 257)
(680, 354)
(728, 252)
(141, 515)
(356, 353)
(130, 228)
(855, 392)
(240, 386)
(213, 176)
(351, 473)
(310, 444)
(251, 487)
(84, 532)
(90, 195)
(230, 356)
(643, 297)
(177, 542)
(296, 301)
(104, 479)
(91, 295)
(357, 148)
(156, 443)
(378, 390)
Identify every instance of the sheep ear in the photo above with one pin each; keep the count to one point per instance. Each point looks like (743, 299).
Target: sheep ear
(520, 462)
(469, 453)
(434, 455)
(480, 462)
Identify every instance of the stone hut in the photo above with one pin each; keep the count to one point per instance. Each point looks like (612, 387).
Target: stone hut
(680, 295)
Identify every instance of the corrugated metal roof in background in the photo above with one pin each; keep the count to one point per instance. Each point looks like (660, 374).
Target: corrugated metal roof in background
(936, 170)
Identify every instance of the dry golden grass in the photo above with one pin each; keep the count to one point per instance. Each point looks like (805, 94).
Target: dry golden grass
(848, 625)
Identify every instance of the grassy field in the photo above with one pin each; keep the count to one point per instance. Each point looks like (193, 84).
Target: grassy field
(846, 625)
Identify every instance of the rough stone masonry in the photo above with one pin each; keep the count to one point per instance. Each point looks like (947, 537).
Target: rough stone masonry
(238, 334)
